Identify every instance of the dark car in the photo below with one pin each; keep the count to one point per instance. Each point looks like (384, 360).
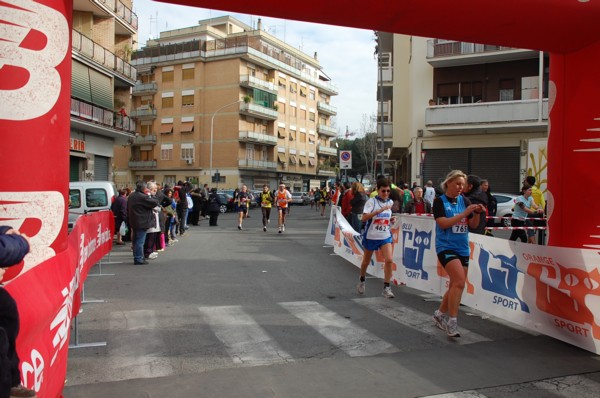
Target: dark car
(227, 203)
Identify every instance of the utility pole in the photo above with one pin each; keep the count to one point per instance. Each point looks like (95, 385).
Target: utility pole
(378, 52)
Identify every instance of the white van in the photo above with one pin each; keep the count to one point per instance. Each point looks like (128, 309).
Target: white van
(89, 196)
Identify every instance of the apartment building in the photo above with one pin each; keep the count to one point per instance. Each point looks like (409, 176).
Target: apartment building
(104, 33)
(451, 105)
(225, 104)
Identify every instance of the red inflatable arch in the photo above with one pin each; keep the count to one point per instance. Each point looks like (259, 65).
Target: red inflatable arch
(35, 92)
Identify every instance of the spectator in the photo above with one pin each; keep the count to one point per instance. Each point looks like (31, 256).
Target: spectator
(525, 206)
(214, 207)
(346, 198)
(492, 206)
(429, 194)
(13, 248)
(359, 198)
(473, 192)
(141, 218)
(119, 209)
(418, 205)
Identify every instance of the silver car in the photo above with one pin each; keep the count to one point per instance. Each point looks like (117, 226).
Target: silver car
(506, 203)
(300, 198)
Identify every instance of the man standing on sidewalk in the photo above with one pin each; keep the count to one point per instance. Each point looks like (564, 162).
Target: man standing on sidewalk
(141, 218)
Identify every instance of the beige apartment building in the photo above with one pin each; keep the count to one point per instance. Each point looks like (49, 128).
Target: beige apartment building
(487, 115)
(104, 33)
(225, 104)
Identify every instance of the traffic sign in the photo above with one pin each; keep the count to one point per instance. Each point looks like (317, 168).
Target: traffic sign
(345, 159)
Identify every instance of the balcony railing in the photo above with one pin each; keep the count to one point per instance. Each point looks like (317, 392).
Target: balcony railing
(101, 116)
(436, 48)
(258, 111)
(144, 113)
(324, 107)
(142, 164)
(121, 11)
(251, 136)
(326, 150)
(145, 140)
(254, 82)
(257, 164)
(327, 130)
(95, 52)
(145, 88)
(326, 171)
(487, 115)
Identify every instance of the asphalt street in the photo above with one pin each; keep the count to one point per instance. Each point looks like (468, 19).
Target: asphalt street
(229, 313)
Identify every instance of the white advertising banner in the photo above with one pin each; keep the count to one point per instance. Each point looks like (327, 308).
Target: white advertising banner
(554, 291)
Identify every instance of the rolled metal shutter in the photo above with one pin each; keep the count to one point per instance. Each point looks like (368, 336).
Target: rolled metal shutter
(500, 166)
(101, 168)
(439, 162)
(80, 82)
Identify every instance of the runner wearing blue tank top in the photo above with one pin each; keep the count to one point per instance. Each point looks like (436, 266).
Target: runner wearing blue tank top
(454, 214)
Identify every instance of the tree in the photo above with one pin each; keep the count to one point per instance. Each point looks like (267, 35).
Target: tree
(366, 144)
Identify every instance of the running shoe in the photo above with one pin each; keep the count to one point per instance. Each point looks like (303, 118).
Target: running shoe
(387, 292)
(452, 328)
(279, 229)
(440, 319)
(240, 227)
(283, 228)
(265, 229)
(360, 288)
(153, 255)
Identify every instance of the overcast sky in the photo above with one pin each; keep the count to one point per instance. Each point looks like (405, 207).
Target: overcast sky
(345, 54)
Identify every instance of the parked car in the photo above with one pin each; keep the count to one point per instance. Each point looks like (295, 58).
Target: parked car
(89, 196)
(506, 202)
(300, 198)
(227, 203)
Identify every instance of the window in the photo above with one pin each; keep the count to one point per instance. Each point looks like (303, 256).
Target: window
(187, 151)
(145, 130)
(250, 152)
(303, 91)
(311, 116)
(507, 90)
(187, 100)
(302, 137)
(293, 87)
(96, 197)
(167, 102)
(293, 111)
(166, 152)
(311, 94)
(188, 74)
(292, 136)
(74, 198)
(281, 107)
(282, 82)
(302, 114)
(168, 76)
(448, 93)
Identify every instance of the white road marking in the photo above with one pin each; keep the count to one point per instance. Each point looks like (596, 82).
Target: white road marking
(417, 320)
(245, 341)
(351, 338)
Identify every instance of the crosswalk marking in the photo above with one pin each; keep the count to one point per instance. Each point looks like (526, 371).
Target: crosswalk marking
(416, 320)
(351, 338)
(245, 341)
(461, 394)
(136, 347)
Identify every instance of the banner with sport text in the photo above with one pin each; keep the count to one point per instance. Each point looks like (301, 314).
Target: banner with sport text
(48, 297)
(551, 290)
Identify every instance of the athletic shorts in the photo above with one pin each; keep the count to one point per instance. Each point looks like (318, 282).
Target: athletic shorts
(375, 244)
(448, 255)
(284, 210)
(243, 209)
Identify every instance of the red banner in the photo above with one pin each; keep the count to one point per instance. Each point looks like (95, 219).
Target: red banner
(48, 298)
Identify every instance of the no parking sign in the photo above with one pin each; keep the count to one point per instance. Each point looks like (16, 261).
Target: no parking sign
(345, 159)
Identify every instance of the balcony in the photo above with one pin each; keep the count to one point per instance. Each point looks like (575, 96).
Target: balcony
(504, 116)
(144, 113)
(258, 111)
(326, 171)
(257, 164)
(442, 53)
(105, 122)
(142, 164)
(254, 82)
(326, 150)
(144, 140)
(327, 130)
(388, 131)
(324, 107)
(87, 48)
(144, 89)
(260, 138)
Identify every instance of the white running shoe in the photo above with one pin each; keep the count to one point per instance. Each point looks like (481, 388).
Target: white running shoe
(279, 229)
(440, 319)
(360, 288)
(452, 328)
(240, 227)
(283, 228)
(387, 292)
(153, 255)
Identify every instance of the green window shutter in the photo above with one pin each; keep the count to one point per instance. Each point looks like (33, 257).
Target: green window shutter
(80, 82)
(102, 90)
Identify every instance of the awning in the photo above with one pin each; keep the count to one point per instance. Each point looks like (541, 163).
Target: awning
(281, 158)
(166, 129)
(282, 81)
(302, 160)
(293, 159)
(281, 132)
(187, 127)
(311, 161)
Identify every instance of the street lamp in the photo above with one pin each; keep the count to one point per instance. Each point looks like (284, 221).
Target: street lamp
(212, 128)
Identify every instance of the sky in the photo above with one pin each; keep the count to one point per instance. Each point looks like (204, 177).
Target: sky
(345, 54)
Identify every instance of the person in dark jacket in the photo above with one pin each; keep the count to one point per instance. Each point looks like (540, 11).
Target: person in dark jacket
(492, 207)
(119, 209)
(214, 207)
(13, 248)
(357, 203)
(418, 205)
(182, 206)
(474, 193)
(141, 218)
